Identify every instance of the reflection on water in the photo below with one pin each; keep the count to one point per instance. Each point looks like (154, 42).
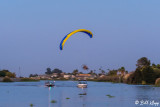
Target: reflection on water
(83, 96)
(22, 94)
(49, 96)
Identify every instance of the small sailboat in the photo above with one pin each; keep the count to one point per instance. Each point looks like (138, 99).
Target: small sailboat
(49, 84)
(82, 84)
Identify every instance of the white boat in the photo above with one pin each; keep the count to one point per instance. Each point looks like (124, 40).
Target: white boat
(49, 84)
(82, 84)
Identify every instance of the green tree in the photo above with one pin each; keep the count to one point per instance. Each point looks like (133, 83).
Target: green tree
(56, 70)
(102, 72)
(48, 71)
(11, 75)
(80, 73)
(122, 70)
(91, 72)
(126, 72)
(157, 72)
(33, 75)
(143, 62)
(4, 73)
(148, 75)
(158, 66)
(112, 73)
(154, 65)
(75, 72)
(137, 77)
(144, 73)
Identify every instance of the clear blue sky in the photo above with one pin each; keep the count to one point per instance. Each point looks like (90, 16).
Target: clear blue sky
(31, 31)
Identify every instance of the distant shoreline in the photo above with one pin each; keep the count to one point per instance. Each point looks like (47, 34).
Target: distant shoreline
(33, 80)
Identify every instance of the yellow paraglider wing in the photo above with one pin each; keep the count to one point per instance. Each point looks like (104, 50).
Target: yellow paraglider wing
(70, 34)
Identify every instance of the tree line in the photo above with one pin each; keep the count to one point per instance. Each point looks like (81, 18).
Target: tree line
(7, 73)
(145, 72)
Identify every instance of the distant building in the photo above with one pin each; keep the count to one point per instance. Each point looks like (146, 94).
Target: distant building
(54, 75)
(73, 76)
(102, 75)
(36, 78)
(66, 76)
(62, 74)
(44, 77)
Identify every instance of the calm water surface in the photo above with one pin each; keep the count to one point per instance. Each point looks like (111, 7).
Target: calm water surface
(22, 94)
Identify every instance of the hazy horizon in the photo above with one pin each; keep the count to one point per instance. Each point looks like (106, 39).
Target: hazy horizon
(123, 32)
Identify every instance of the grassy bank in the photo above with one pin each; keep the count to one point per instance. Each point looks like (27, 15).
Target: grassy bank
(28, 80)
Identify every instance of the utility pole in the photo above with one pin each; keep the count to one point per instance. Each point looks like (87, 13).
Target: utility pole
(19, 72)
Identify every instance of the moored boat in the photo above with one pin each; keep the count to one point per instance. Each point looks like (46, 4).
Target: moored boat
(49, 84)
(82, 84)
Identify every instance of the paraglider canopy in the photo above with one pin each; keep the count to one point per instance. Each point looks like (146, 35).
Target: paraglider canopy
(89, 33)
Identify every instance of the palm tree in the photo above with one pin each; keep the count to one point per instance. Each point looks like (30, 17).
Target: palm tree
(121, 70)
